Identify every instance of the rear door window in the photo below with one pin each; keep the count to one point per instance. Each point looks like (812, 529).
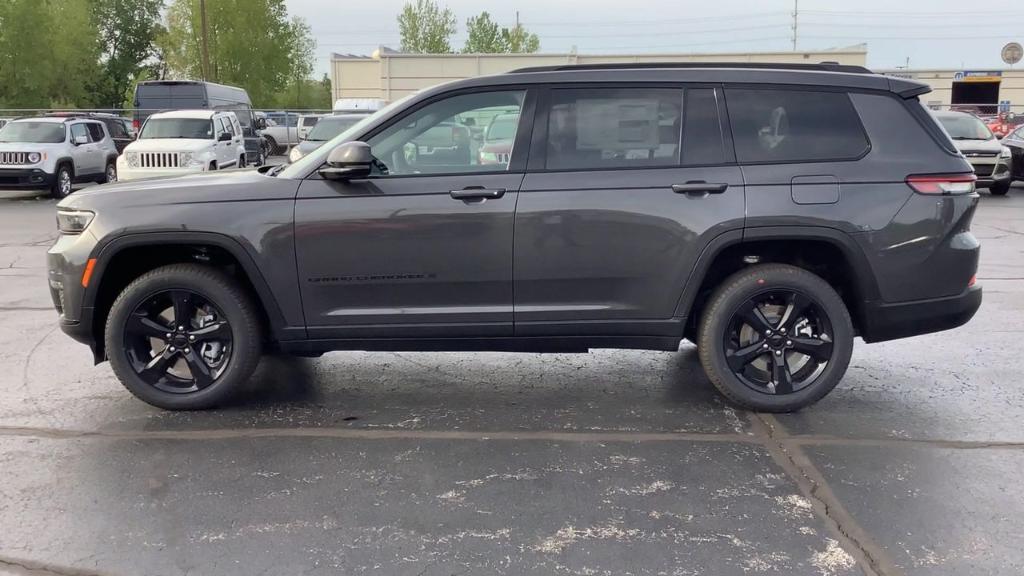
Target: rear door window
(779, 125)
(95, 131)
(614, 128)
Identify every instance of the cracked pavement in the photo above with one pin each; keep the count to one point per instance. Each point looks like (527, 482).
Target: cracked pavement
(614, 462)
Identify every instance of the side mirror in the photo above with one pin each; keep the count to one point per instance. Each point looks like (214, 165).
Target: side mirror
(261, 123)
(81, 139)
(349, 161)
(224, 137)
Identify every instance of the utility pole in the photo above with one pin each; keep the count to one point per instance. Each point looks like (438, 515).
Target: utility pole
(517, 19)
(204, 41)
(796, 12)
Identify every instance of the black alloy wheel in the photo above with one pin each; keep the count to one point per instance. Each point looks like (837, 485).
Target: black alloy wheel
(778, 342)
(775, 337)
(178, 342)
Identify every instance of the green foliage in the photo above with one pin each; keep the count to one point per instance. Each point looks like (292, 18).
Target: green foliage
(252, 44)
(49, 53)
(127, 32)
(486, 37)
(426, 28)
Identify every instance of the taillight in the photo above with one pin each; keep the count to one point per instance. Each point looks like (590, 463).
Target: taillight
(942, 183)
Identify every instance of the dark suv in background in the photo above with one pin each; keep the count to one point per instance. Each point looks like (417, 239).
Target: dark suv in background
(769, 214)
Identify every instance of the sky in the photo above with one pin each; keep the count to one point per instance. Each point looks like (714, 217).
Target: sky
(930, 33)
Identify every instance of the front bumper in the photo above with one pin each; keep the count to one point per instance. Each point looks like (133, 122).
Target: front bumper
(990, 173)
(65, 263)
(125, 174)
(25, 179)
(889, 321)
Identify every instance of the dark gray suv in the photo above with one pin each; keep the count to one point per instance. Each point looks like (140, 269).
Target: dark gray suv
(769, 214)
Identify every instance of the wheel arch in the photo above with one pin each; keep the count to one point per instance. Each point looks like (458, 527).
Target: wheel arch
(830, 253)
(117, 264)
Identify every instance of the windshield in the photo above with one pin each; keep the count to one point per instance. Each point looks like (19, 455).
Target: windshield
(316, 158)
(503, 128)
(33, 132)
(330, 127)
(965, 128)
(196, 128)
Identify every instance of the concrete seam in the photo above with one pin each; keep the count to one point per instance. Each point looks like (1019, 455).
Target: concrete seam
(33, 568)
(871, 558)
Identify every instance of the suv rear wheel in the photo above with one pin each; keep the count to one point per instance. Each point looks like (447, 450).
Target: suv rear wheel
(183, 337)
(775, 338)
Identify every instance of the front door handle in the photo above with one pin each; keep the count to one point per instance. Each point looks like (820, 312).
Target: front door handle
(477, 193)
(700, 187)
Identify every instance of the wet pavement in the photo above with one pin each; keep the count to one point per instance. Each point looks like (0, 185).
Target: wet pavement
(614, 462)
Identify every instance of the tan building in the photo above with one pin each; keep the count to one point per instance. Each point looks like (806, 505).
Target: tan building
(984, 88)
(391, 75)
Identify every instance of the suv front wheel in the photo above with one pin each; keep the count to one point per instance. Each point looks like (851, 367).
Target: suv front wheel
(183, 337)
(775, 338)
(62, 182)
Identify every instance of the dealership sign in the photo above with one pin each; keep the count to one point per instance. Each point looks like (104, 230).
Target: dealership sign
(978, 76)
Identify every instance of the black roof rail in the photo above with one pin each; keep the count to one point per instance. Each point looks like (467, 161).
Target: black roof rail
(822, 67)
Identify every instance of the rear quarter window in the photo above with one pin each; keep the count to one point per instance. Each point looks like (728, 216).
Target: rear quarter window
(776, 125)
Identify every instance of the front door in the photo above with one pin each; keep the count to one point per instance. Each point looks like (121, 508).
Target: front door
(85, 154)
(423, 247)
(625, 187)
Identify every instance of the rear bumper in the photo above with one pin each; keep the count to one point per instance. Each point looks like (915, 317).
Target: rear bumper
(889, 321)
(25, 179)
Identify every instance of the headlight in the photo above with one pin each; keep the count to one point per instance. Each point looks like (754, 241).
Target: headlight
(295, 154)
(1005, 152)
(132, 159)
(34, 157)
(186, 159)
(73, 221)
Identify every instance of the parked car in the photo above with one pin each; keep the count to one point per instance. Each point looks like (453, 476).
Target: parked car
(4, 121)
(498, 139)
(118, 128)
(167, 95)
(770, 214)
(282, 131)
(306, 123)
(54, 153)
(326, 129)
(1015, 142)
(184, 142)
(989, 158)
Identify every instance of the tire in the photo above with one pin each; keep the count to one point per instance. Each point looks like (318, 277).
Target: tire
(272, 146)
(109, 173)
(241, 161)
(63, 182)
(825, 317)
(261, 156)
(999, 188)
(232, 306)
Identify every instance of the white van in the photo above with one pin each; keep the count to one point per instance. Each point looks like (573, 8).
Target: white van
(183, 142)
(357, 105)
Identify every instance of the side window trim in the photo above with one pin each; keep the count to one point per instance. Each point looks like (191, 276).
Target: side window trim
(520, 149)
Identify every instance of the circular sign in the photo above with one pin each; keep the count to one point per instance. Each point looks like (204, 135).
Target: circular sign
(1012, 53)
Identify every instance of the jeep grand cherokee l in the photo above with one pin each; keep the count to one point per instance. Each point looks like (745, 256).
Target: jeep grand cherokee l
(769, 214)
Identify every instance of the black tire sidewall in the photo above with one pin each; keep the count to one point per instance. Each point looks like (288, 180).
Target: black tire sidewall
(211, 285)
(739, 288)
(56, 192)
(999, 189)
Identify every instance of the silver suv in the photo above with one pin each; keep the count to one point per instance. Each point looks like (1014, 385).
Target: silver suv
(54, 153)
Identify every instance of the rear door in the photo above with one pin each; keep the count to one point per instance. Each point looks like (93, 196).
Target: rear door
(625, 187)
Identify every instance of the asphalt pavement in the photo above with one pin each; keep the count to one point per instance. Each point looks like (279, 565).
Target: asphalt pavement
(614, 462)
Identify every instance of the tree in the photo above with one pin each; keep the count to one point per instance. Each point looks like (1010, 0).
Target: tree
(486, 37)
(48, 53)
(519, 41)
(127, 32)
(426, 28)
(483, 35)
(253, 44)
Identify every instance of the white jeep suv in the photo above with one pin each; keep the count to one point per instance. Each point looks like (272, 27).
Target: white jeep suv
(183, 142)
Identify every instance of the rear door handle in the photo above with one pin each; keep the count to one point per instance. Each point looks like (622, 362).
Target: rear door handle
(699, 187)
(477, 193)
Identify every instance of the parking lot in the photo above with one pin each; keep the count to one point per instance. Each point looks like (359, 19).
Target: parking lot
(614, 462)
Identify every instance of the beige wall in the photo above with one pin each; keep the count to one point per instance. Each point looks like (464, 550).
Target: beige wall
(392, 76)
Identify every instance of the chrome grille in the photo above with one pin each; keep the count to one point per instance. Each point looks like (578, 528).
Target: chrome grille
(158, 159)
(12, 158)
